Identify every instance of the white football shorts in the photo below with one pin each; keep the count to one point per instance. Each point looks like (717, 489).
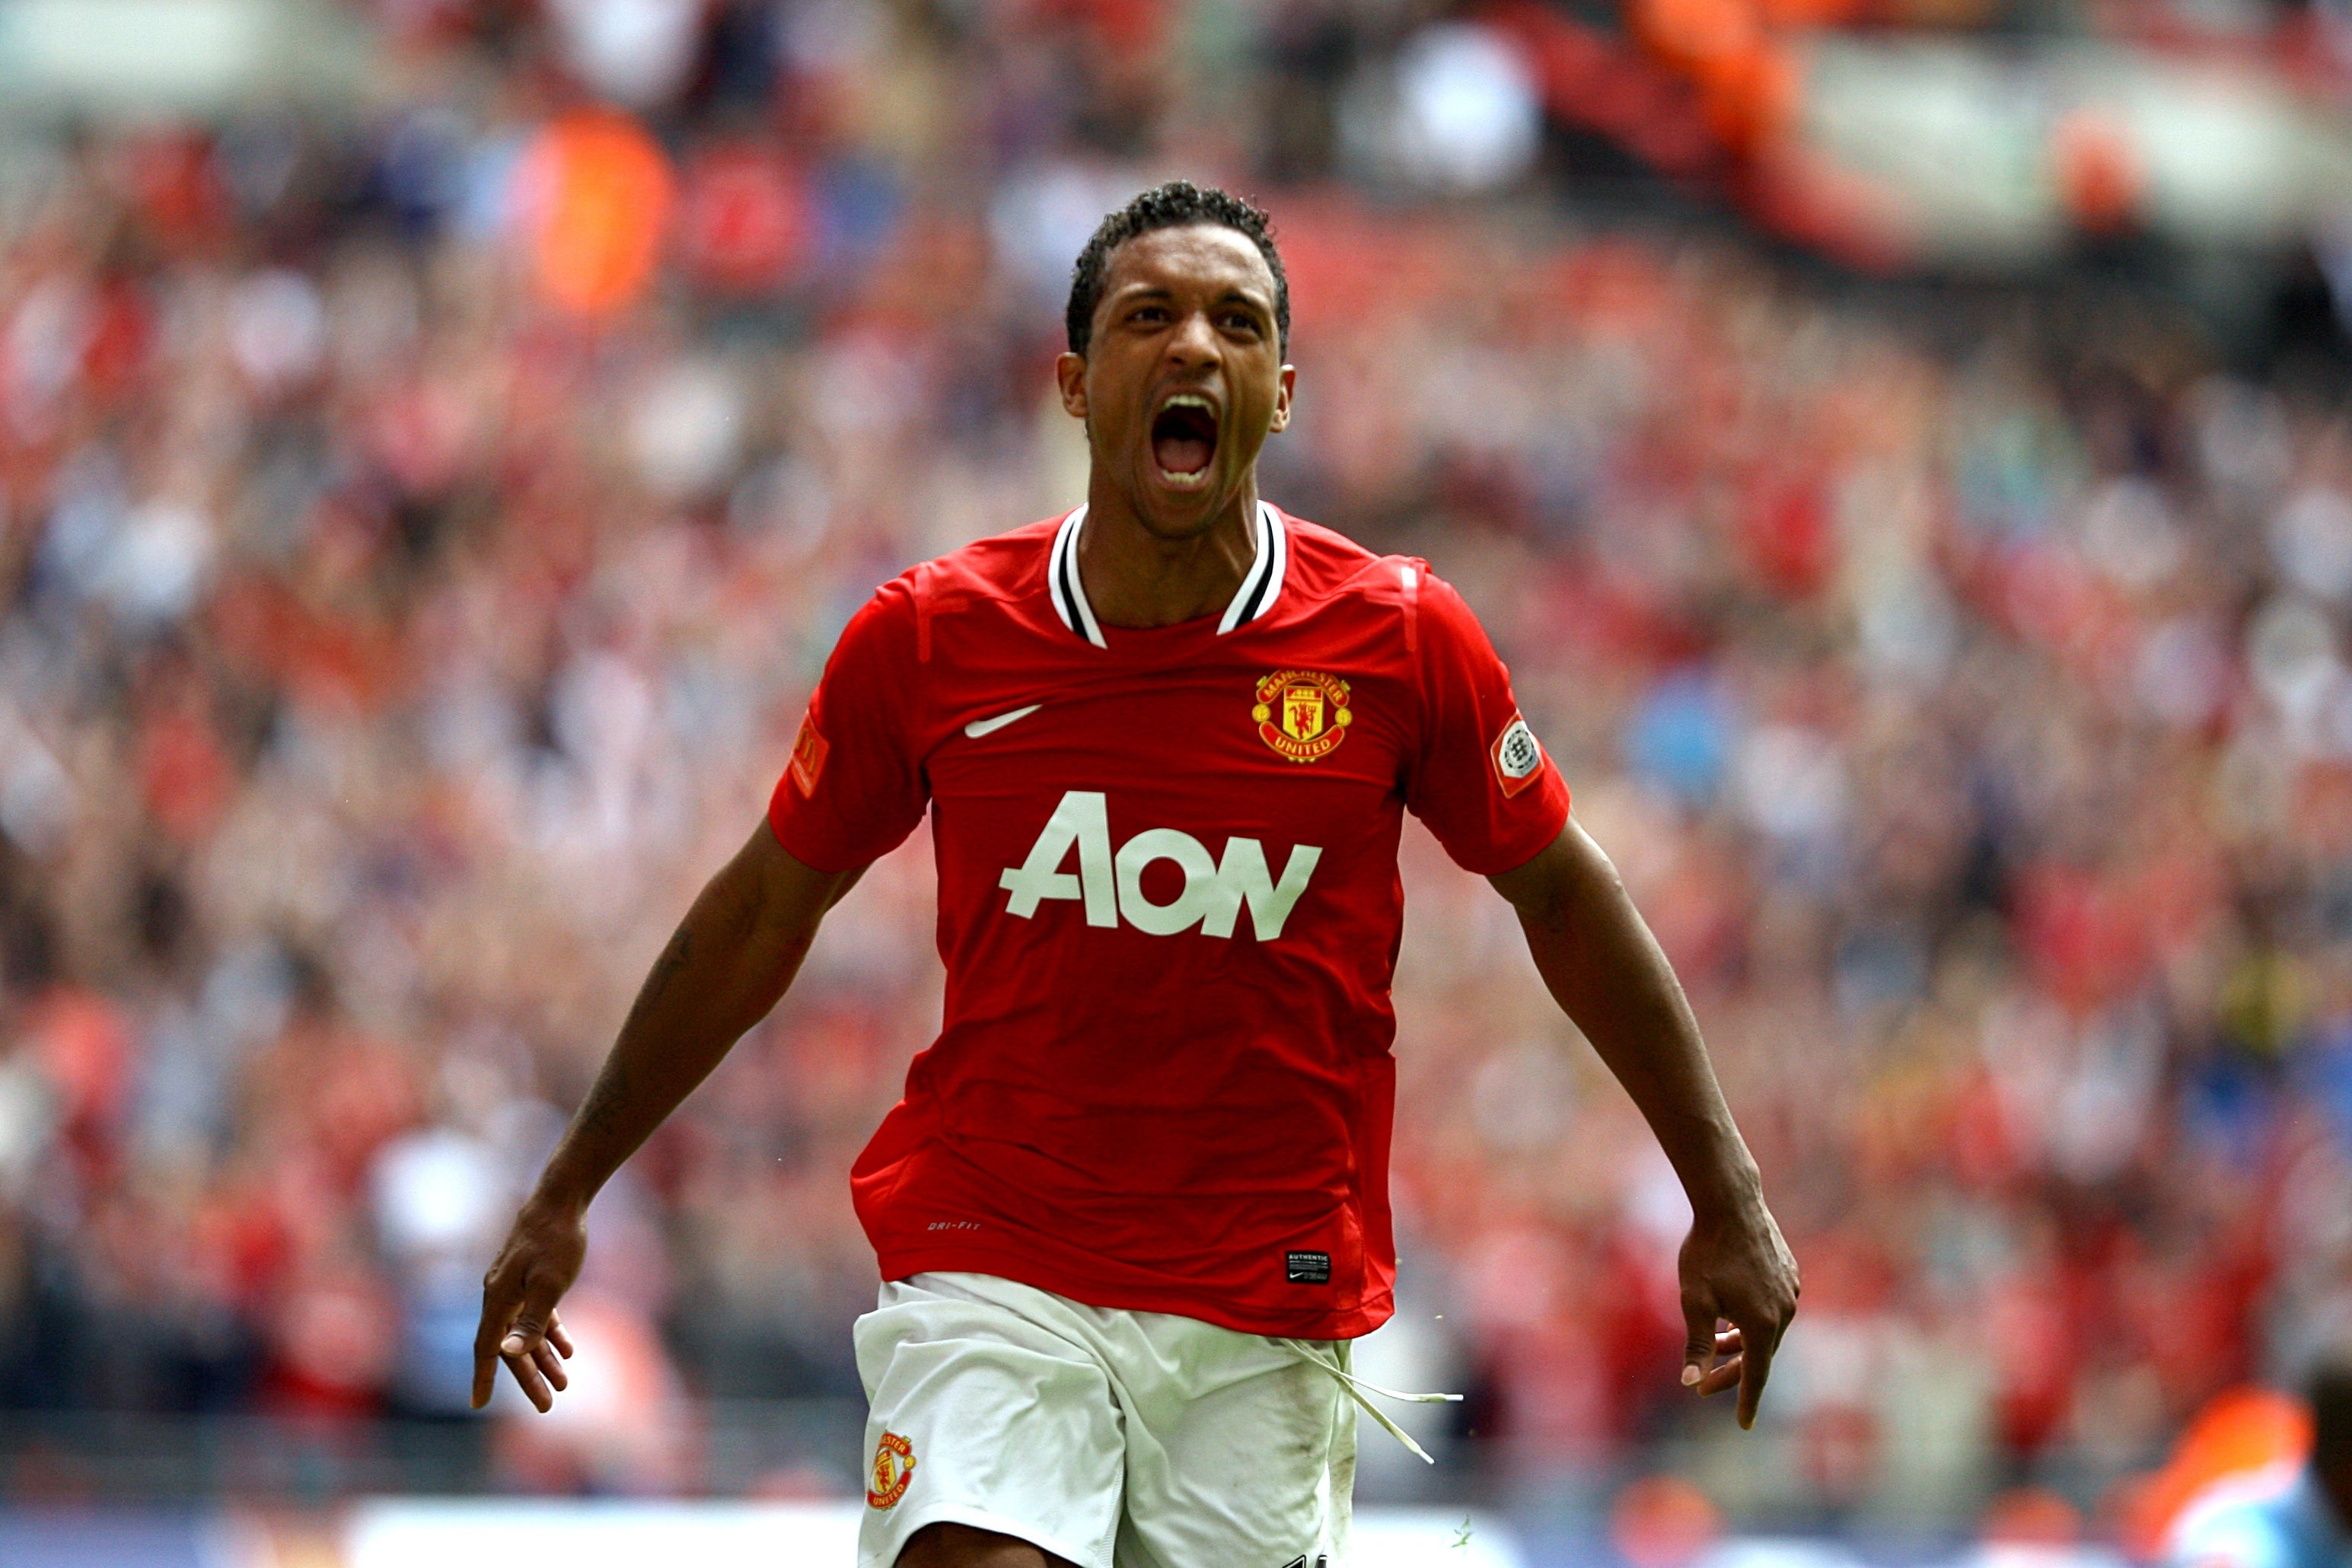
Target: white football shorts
(1112, 1438)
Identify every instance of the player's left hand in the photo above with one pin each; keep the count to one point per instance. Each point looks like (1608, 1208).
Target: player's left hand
(1736, 1270)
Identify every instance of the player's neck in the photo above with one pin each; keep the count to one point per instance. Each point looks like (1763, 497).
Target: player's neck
(1137, 579)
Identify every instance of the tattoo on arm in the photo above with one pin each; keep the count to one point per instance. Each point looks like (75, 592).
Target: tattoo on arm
(747, 911)
(602, 1113)
(664, 970)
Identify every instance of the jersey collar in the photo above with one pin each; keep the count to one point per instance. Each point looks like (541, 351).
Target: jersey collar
(1261, 584)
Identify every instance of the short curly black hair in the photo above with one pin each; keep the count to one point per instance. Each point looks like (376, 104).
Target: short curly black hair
(1176, 205)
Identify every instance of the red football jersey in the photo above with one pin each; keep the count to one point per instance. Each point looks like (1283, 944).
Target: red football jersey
(1169, 908)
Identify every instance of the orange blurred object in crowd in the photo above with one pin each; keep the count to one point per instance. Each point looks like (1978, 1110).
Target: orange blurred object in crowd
(1746, 77)
(2238, 1430)
(2032, 1516)
(1687, 30)
(1663, 1521)
(1691, 33)
(595, 192)
(1751, 97)
(1812, 13)
(2098, 174)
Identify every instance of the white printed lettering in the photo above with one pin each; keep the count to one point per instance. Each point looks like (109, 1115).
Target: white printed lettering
(1112, 887)
(1083, 819)
(1242, 876)
(1191, 858)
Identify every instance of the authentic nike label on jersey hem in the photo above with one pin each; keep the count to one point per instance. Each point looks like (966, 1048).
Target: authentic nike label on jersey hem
(979, 728)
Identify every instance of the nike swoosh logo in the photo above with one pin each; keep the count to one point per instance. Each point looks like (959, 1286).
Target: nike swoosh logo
(980, 727)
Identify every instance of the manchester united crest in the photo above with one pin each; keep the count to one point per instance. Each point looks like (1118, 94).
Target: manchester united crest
(1302, 713)
(894, 1466)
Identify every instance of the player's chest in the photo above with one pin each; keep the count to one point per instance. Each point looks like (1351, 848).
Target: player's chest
(1271, 735)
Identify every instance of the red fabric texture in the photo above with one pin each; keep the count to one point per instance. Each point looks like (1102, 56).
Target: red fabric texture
(1160, 1118)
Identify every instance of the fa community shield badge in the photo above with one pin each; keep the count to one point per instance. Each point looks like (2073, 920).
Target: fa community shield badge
(1517, 757)
(894, 1466)
(1302, 713)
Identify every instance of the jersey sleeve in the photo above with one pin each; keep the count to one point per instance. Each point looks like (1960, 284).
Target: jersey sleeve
(854, 787)
(1480, 779)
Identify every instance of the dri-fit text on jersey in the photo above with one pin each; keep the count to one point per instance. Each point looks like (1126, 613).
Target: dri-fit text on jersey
(1111, 885)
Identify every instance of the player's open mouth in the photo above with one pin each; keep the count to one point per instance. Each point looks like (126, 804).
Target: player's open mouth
(1184, 439)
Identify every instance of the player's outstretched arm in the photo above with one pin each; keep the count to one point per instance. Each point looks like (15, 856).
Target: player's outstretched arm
(1606, 972)
(731, 958)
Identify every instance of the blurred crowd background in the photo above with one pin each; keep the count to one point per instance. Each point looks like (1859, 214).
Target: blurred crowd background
(439, 443)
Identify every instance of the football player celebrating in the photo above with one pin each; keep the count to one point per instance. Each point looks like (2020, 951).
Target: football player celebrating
(1133, 1205)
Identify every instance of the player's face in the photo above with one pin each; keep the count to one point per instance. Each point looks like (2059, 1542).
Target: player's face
(1184, 378)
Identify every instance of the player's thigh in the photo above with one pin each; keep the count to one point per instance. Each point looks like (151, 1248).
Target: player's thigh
(962, 1546)
(981, 1418)
(1253, 1471)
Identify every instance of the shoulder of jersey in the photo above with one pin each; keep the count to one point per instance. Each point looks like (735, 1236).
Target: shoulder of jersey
(1326, 564)
(1000, 565)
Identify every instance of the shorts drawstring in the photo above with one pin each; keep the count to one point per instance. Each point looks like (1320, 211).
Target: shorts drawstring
(1358, 1388)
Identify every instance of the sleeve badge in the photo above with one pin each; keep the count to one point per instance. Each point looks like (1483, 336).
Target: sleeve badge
(809, 750)
(1517, 757)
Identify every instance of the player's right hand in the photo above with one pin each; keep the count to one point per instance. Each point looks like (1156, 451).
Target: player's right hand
(519, 1326)
(1740, 1288)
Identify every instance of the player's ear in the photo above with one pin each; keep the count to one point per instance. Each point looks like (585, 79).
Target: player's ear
(1070, 374)
(1281, 394)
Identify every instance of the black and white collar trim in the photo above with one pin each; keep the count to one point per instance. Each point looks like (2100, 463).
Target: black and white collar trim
(1261, 584)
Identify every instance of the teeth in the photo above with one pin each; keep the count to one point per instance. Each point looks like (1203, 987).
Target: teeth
(1186, 400)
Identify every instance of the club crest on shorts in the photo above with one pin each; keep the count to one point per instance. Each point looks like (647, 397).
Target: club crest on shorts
(1303, 714)
(894, 1466)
